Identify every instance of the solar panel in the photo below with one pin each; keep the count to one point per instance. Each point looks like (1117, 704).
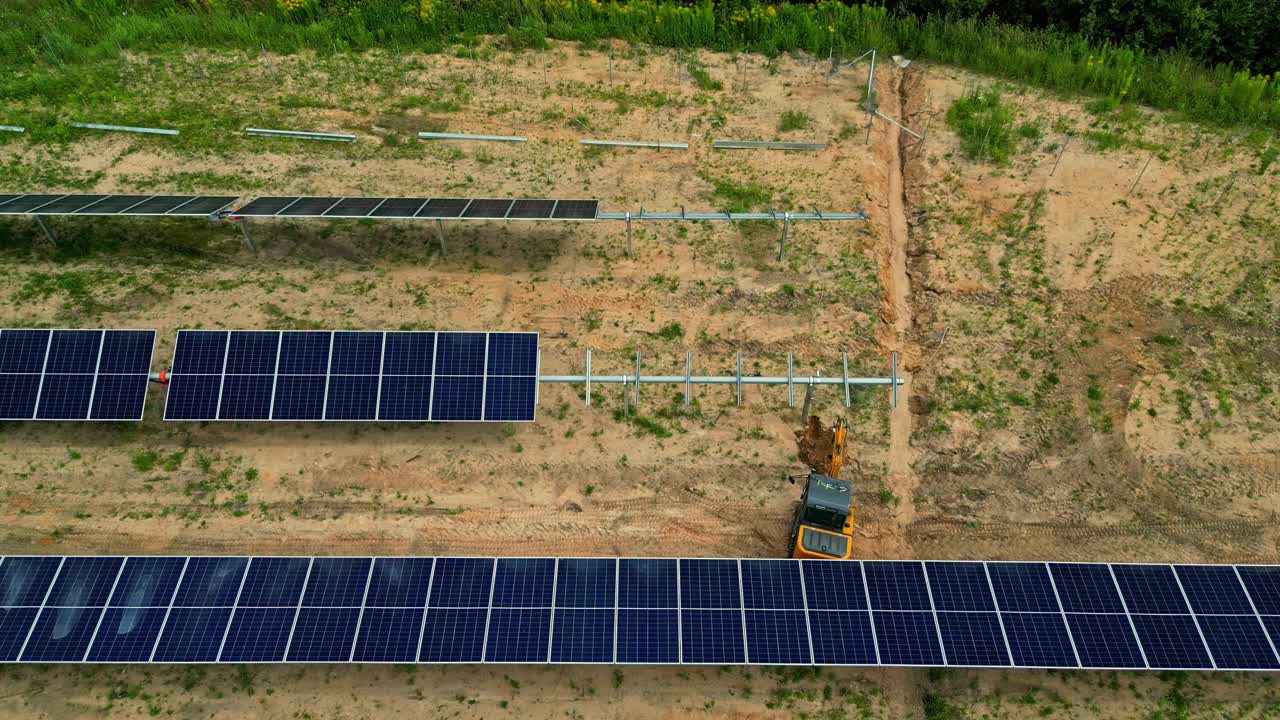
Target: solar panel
(354, 376)
(387, 207)
(646, 611)
(74, 374)
(174, 205)
(576, 210)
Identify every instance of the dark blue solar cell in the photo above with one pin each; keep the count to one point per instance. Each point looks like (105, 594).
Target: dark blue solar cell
(409, 353)
(585, 582)
(1104, 641)
(200, 352)
(246, 397)
(147, 582)
(456, 398)
(972, 638)
(1171, 642)
(647, 583)
(896, 585)
(337, 582)
(399, 583)
(462, 582)
(274, 582)
(712, 636)
(842, 638)
(648, 636)
(460, 353)
(24, 580)
(252, 352)
(61, 634)
(523, 582)
(834, 585)
(356, 353)
(772, 585)
(23, 351)
(127, 352)
(959, 586)
(404, 398)
(65, 397)
(1263, 584)
(15, 623)
(1086, 588)
(1150, 589)
(74, 351)
(258, 635)
(85, 581)
(352, 397)
(304, 353)
(513, 354)
(510, 399)
(126, 635)
(1238, 642)
(119, 397)
(518, 635)
(192, 635)
(777, 637)
(1039, 640)
(1214, 589)
(18, 396)
(709, 584)
(582, 636)
(907, 638)
(1022, 587)
(453, 635)
(389, 635)
(299, 397)
(211, 582)
(192, 397)
(324, 634)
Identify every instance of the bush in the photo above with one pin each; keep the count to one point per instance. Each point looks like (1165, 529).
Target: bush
(984, 124)
(794, 120)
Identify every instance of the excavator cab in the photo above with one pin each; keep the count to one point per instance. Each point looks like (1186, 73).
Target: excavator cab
(823, 528)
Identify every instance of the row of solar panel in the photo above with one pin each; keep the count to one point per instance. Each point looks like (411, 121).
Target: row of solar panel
(422, 208)
(74, 374)
(652, 611)
(175, 205)
(324, 375)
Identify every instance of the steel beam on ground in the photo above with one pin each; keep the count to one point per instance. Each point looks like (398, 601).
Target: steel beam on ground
(123, 128)
(765, 145)
(12, 128)
(300, 135)
(464, 136)
(636, 144)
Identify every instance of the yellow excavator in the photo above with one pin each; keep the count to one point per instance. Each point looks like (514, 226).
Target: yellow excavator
(823, 526)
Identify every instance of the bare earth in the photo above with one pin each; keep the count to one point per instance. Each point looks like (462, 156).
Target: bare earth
(1091, 370)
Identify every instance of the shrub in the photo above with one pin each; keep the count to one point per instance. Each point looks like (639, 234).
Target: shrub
(984, 124)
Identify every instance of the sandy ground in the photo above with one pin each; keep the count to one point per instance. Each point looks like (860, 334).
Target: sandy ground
(987, 279)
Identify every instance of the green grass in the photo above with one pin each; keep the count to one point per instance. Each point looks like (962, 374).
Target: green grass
(984, 124)
(794, 120)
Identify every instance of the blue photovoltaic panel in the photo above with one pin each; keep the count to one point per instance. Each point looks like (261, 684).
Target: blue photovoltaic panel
(15, 623)
(709, 584)
(460, 354)
(126, 635)
(1263, 584)
(452, 635)
(84, 582)
(518, 635)
(973, 638)
(211, 582)
(200, 352)
(23, 351)
(192, 635)
(1086, 588)
(252, 352)
(462, 582)
(258, 634)
(1150, 589)
(907, 638)
(323, 634)
(1038, 640)
(74, 374)
(337, 582)
(304, 353)
(582, 636)
(842, 637)
(147, 582)
(513, 354)
(778, 637)
(25, 580)
(1214, 589)
(1104, 641)
(772, 584)
(409, 353)
(897, 585)
(1171, 642)
(959, 586)
(388, 635)
(61, 634)
(647, 583)
(834, 586)
(1237, 642)
(356, 353)
(648, 636)
(274, 582)
(524, 582)
(1023, 587)
(585, 583)
(713, 636)
(399, 582)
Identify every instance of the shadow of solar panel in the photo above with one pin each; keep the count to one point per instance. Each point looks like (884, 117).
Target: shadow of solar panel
(160, 205)
(576, 209)
(1214, 589)
(778, 637)
(126, 635)
(585, 583)
(443, 208)
(15, 623)
(523, 582)
(352, 397)
(1104, 641)
(462, 582)
(112, 205)
(1237, 642)
(1039, 640)
(84, 582)
(453, 635)
(1150, 589)
(709, 584)
(266, 206)
(582, 636)
(959, 586)
(354, 207)
(26, 203)
(907, 638)
(25, 580)
(192, 635)
(309, 207)
(399, 582)
(648, 636)
(389, 635)
(211, 582)
(337, 582)
(68, 204)
(972, 638)
(246, 397)
(531, 209)
(1171, 642)
(147, 582)
(258, 634)
(274, 582)
(399, 207)
(771, 585)
(842, 637)
(896, 585)
(204, 205)
(647, 583)
(61, 634)
(518, 635)
(1023, 587)
(323, 635)
(487, 208)
(299, 397)
(712, 636)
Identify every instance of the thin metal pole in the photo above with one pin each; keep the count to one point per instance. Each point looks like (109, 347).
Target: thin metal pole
(637, 381)
(48, 233)
(628, 233)
(588, 391)
(739, 378)
(610, 67)
(808, 402)
(982, 150)
(844, 361)
(473, 66)
(244, 231)
(871, 116)
(1059, 158)
(440, 233)
(1140, 173)
(688, 372)
(782, 241)
(791, 398)
(894, 377)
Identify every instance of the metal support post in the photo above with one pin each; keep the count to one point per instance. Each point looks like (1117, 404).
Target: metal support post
(844, 361)
(440, 234)
(244, 231)
(588, 393)
(739, 378)
(1140, 173)
(637, 381)
(791, 398)
(628, 233)
(782, 241)
(688, 371)
(808, 403)
(1059, 158)
(871, 114)
(48, 233)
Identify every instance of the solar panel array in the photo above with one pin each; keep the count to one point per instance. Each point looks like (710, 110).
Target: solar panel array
(174, 205)
(74, 374)
(420, 208)
(352, 375)
(645, 611)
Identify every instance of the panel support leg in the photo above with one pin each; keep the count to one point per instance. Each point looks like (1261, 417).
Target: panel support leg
(440, 234)
(628, 234)
(808, 402)
(244, 232)
(782, 241)
(48, 233)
